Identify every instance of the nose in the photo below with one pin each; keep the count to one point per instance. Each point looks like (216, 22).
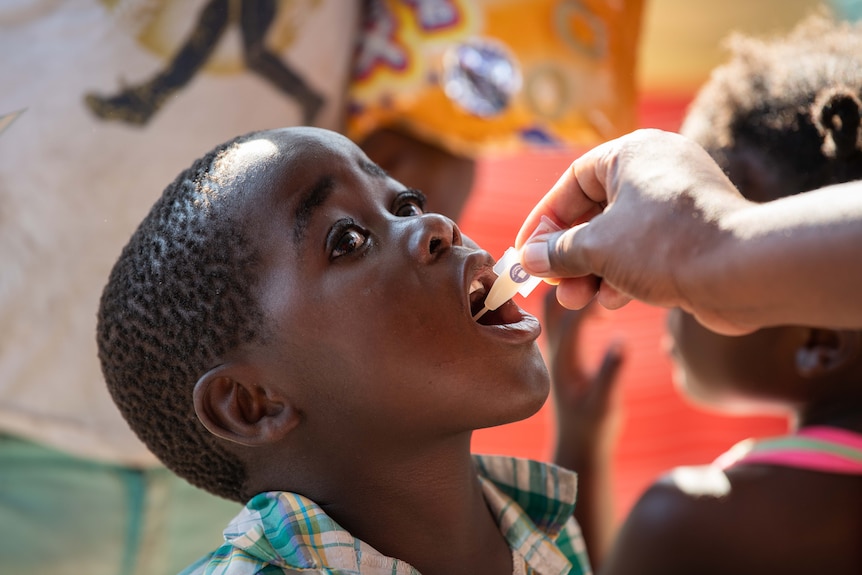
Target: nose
(432, 235)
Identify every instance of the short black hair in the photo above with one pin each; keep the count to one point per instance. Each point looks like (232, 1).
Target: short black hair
(180, 296)
(795, 99)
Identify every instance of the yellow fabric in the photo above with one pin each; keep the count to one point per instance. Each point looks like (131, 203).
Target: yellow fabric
(576, 61)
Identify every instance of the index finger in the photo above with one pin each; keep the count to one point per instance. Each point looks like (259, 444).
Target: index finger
(579, 191)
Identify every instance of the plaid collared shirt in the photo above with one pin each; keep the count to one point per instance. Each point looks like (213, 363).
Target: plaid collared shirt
(280, 532)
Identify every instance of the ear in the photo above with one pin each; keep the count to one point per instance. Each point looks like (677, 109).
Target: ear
(232, 404)
(826, 351)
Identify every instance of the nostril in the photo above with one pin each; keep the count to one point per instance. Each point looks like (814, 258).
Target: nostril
(434, 235)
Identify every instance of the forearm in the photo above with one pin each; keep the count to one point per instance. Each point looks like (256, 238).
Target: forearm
(797, 260)
(594, 506)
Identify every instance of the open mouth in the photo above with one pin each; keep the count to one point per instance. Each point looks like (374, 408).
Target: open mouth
(480, 286)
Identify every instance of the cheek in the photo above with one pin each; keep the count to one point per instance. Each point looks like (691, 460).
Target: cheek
(384, 335)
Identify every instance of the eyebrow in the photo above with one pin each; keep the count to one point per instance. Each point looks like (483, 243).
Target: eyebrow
(373, 169)
(309, 201)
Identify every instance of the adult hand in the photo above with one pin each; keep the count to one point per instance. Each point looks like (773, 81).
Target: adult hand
(644, 219)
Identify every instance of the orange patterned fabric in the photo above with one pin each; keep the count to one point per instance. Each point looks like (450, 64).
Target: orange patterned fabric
(482, 75)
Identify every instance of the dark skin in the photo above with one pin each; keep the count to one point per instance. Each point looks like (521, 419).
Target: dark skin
(366, 394)
(772, 520)
(754, 518)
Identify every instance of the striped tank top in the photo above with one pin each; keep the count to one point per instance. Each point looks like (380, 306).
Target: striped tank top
(819, 448)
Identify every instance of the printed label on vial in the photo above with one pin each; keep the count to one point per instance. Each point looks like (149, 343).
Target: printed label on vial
(518, 275)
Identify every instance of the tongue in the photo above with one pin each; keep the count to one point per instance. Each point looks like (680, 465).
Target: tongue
(503, 315)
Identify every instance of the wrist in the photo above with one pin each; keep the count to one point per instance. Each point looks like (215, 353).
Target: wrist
(584, 456)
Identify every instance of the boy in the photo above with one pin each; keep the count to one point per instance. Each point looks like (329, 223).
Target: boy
(287, 327)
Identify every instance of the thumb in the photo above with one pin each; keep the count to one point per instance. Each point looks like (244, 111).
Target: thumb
(557, 255)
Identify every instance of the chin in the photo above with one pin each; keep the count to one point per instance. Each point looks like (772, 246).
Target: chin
(694, 392)
(535, 388)
(519, 390)
(518, 403)
(715, 400)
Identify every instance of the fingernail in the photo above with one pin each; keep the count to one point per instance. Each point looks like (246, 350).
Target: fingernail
(534, 257)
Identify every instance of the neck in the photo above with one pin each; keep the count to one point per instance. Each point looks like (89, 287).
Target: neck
(425, 507)
(845, 414)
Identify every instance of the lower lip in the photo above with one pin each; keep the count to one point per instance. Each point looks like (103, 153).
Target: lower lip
(526, 330)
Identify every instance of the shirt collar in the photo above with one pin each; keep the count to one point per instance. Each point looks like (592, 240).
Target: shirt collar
(545, 492)
(531, 502)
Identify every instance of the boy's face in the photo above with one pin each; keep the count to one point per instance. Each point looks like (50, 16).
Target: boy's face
(368, 299)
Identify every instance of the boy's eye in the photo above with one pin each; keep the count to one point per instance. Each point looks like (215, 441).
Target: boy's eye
(408, 210)
(409, 203)
(346, 238)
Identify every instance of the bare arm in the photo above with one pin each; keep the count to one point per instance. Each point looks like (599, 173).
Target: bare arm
(653, 216)
(799, 260)
(587, 421)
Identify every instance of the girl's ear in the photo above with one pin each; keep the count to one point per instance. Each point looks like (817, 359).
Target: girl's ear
(232, 404)
(826, 351)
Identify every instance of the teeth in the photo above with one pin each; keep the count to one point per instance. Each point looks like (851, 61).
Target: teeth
(476, 286)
